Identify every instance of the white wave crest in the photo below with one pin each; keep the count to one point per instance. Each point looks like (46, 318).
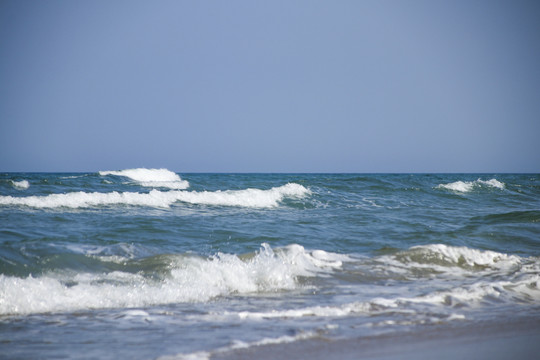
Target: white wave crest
(461, 256)
(447, 261)
(466, 186)
(151, 177)
(192, 279)
(254, 198)
(21, 185)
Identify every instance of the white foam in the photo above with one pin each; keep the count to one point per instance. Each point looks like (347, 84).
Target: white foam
(73, 176)
(273, 341)
(319, 311)
(493, 183)
(151, 177)
(236, 345)
(81, 199)
(21, 185)
(406, 307)
(254, 198)
(459, 186)
(191, 279)
(476, 275)
(526, 289)
(466, 186)
(439, 260)
(461, 255)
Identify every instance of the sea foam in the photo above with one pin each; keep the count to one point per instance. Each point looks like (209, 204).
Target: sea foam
(466, 186)
(254, 198)
(489, 275)
(236, 345)
(443, 261)
(191, 279)
(151, 177)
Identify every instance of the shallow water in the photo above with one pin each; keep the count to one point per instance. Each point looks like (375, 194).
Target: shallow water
(148, 263)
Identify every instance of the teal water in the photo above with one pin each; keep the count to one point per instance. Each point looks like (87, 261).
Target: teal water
(147, 263)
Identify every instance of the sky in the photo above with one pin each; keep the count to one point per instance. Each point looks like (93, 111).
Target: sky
(270, 86)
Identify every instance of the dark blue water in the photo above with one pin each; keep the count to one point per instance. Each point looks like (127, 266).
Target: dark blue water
(147, 263)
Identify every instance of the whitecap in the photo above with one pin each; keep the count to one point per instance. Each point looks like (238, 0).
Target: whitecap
(21, 185)
(492, 183)
(251, 198)
(151, 177)
(461, 255)
(449, 260)
(255, 198)
(467, 186)
(459, 186)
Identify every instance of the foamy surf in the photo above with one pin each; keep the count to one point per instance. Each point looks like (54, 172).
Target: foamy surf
(151, 177)
(480, 275)
(236, 345)
(467, 186)
(182, 278)
(251, 198)
(446, 258)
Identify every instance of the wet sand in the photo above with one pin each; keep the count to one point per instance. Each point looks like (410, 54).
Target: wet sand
(518, 339)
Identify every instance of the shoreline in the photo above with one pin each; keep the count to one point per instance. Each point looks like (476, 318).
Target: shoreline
(490, 340)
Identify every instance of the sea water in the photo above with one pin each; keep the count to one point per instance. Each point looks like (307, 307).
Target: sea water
(148, 263)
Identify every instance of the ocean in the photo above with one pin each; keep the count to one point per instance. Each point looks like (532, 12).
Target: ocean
(152, 264)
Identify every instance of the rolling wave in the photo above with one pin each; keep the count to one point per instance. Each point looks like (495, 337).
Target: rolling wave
(253, 198)
(182, 278)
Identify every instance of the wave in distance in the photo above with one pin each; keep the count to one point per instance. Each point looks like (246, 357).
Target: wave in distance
(467, 186)
(151, 177)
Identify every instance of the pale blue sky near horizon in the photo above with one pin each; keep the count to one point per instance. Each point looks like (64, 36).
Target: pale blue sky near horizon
(270, 86)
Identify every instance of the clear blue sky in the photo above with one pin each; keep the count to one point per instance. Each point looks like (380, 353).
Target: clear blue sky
(270, 86)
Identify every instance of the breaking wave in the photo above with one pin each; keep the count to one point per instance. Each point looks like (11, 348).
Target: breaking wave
(481, 276)
(180, 278)
(21, 185)
(442, 256)
(467, 186)
(253, 198)
(151, 177)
